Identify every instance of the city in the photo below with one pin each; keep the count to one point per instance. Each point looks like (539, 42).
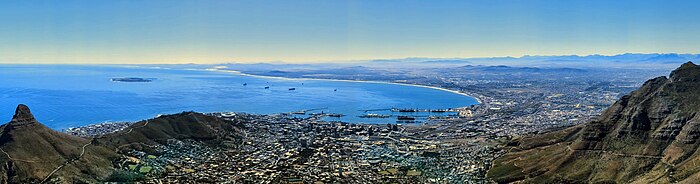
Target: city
(349, 91)
(284, 148)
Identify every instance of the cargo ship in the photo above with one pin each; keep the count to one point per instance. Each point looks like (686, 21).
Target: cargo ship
(130, 79)
(405, 118)
(335, 115)
(403, 110)
(375, 116)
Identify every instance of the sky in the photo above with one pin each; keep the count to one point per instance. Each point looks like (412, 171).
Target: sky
(308, 31)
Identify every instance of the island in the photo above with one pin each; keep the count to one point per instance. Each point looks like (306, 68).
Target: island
(131, 79)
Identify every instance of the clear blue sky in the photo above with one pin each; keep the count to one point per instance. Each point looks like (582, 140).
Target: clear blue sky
(138, 31)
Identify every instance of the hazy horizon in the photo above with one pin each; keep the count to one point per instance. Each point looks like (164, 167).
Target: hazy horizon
(156, 32)
(353, 61)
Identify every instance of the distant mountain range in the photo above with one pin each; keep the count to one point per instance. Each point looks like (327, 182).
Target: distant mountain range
(627, 60)
(663, 58)
(589, 60)
(503, 68)
(625, 56)
(651, 135)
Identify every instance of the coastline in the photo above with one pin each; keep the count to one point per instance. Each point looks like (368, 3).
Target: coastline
(234, 72)
(341, 80)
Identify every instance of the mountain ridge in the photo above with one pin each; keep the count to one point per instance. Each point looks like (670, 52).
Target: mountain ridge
(34, 153)
(649, 135)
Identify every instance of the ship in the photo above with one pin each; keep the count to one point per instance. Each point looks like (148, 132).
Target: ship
(405, 118)
(403, 110)
(436, 117)
(335, 115)
(267, 87)
(131, 79)
(375, 116)
(292, 89)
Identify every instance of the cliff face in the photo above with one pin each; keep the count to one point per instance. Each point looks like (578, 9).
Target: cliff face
(649, 135)
(23, 116)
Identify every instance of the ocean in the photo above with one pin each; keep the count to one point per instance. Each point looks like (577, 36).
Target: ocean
(63, 96)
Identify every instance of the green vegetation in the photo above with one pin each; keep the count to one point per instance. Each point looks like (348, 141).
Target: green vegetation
(188, 170)
(392, 170)
(413, 173)
(145, 169)
(503, 172)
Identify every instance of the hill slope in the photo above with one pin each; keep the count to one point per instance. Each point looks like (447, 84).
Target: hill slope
(649, 135)
(32, 151)
(186, 125)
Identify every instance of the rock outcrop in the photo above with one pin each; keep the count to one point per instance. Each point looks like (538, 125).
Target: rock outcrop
(23, 116)
(649, 135)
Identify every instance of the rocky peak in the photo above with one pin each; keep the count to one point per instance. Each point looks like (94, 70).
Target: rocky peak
(23, 116)
(688, 72)
(660, 109)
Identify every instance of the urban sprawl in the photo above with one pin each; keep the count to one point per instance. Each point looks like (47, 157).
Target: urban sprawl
(284, 148)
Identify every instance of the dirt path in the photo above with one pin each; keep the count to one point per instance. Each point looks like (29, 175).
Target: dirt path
(82, 153)
(15, 159)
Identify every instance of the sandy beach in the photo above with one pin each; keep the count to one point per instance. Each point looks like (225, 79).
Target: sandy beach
(342, 80)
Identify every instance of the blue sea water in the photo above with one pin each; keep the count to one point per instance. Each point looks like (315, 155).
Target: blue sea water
(63, 96)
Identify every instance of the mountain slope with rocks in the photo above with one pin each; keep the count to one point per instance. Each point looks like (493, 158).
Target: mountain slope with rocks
(33, 153)
(648, 136)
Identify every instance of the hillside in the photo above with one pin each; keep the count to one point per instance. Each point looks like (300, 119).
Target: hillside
(32, 151)
(648, 136)
(186, 125)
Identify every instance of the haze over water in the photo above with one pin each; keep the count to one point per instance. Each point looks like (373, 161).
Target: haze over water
(63, 96)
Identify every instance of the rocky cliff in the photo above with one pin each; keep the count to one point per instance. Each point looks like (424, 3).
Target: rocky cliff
(649, 135)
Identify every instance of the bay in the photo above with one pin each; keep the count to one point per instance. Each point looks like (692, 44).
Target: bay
(63, 96)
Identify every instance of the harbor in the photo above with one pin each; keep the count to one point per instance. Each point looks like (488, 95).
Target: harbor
(208, 91)
(385, 115)
(393, 115)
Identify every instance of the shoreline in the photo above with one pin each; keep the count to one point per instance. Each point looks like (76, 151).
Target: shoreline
(478, 100)
(236, 72)
(342, 80)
